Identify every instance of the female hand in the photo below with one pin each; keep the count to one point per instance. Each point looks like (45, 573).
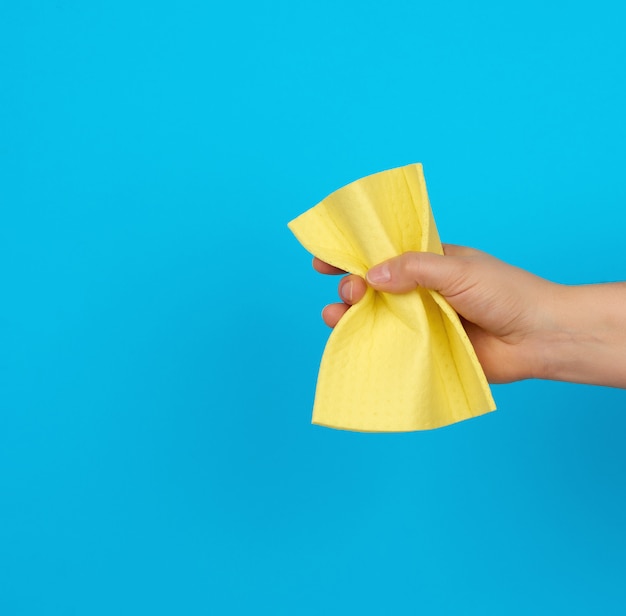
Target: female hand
(507, 312)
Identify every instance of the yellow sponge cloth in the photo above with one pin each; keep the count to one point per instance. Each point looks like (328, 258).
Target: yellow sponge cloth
(394, 362)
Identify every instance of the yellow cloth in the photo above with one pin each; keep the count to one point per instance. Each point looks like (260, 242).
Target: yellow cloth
(394, 362)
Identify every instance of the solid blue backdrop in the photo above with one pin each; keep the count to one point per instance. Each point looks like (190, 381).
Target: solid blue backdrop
(160, 331)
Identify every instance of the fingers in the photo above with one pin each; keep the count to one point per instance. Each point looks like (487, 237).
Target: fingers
(333, 312)
(352, 289)
(412, 269)
(325, 268)
(447, 274)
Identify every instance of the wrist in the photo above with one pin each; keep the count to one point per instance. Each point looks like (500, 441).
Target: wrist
(584, 340)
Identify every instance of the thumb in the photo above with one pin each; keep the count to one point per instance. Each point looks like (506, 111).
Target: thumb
(418, 269)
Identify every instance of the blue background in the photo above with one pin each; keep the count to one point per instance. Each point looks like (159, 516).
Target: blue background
(160, 331)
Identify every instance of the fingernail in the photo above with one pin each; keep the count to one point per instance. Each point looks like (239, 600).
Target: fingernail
(346, 291)
(379, 274)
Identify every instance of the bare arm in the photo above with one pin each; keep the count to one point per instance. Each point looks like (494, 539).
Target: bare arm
(589, 344)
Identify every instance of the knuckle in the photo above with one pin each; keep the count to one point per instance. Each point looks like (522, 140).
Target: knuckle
(411, 266)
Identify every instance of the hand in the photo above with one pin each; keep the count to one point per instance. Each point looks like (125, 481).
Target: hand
(507, 312)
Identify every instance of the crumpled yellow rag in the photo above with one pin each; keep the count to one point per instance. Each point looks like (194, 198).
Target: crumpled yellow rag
(394, 363)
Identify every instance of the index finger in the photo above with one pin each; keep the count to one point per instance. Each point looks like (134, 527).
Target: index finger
(325, 268)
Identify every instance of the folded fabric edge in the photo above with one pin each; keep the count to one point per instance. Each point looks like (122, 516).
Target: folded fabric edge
(343, 261)
(454, 319)
(399, 430)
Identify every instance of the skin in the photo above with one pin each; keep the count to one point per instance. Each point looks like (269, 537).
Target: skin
(521, 326)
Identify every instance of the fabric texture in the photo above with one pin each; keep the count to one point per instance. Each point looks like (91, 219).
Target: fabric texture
(393, 363)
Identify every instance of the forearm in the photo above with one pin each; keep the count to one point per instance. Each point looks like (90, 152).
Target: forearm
(587, 343)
